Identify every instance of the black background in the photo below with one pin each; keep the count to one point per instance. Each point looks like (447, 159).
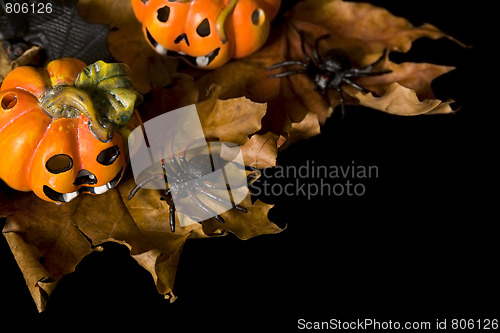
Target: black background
(420, 245)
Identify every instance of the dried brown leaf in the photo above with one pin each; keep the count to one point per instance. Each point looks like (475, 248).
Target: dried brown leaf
(398, 99)
(148, 69)
(261, 150)
(31, 56)
(414, 76)
(37, 229)
(286, 103)
(63, 234)
(127, 44)
(48, 240)
(39, 281)
(244, 225)
(230, 120)
(362, 30)
(4, 64)
(151, 216)
(112, 12)
(305, 129)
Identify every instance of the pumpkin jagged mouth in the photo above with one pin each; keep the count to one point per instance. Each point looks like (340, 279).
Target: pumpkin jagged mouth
(67, 197)
(201, 61)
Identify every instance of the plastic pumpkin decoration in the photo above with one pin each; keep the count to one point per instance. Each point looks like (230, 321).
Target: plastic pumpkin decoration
(58, 128)
(206, 33)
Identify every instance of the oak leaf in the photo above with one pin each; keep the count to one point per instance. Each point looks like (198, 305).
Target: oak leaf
(261, 150)
(364, 32)
(244, 225)
(236, 121)
(48, 240)
(230, 120)
(236, 103)
(4, 64)
(127, 44)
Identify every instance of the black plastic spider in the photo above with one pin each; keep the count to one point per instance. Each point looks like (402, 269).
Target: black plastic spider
(332, 70)
(194, 177)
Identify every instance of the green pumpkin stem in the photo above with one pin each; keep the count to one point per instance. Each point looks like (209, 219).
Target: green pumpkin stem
(220, 22)
(103, 92)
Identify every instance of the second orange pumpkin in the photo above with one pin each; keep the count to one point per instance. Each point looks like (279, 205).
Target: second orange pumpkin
(206, 33)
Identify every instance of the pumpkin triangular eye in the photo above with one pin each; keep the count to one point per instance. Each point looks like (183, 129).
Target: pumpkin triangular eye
(108, 156)
(163, 14)
(204, 28)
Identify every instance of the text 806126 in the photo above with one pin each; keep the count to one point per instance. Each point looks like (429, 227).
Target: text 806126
(32, 7)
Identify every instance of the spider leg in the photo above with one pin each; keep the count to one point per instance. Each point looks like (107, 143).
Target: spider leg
(183, 161)
(175, 165)
(221, 200)
(361, 73)
(341, 99)
(171, 210)
(137, 187)
(316, 47)
(204, 207)
(279, 75)
(355, 85)
(171, 217)
(287, 63)
(182, 155)
(170, 173)
(379, 60)
(303, 47)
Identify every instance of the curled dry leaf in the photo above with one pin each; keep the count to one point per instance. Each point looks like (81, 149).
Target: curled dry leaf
(235, 121)
(49, 240)
(231, 120)
(31, 56)
(4, 64)
(244, 225)
(127, 44)
(364, 32)
(261, 150)
(407, 87)
(43, 240)
(272, 111)
(397, 99)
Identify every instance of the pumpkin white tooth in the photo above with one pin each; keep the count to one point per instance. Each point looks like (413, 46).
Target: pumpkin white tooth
(202, 61)
(161, 50)
(101, 189)
(108, 186)
(67, 197)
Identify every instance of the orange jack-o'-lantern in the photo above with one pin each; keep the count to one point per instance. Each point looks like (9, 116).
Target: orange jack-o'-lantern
(206, 33)
(58, 127)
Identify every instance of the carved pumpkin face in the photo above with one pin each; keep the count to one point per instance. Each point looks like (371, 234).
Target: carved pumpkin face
(206, 33)
(52, 138)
